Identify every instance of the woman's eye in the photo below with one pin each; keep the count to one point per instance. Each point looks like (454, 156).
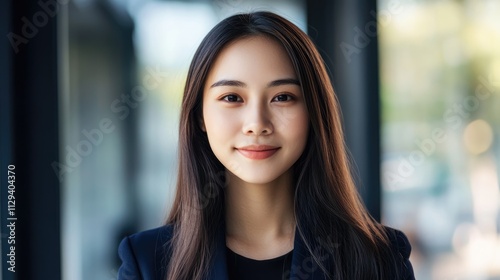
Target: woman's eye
(231, 98)
(283, 98)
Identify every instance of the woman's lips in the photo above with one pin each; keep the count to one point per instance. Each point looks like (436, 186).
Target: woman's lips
(259, 152)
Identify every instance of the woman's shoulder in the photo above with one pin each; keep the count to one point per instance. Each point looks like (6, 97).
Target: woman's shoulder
(401, 247)
(399, 241)
(153, 236)
(143, 253)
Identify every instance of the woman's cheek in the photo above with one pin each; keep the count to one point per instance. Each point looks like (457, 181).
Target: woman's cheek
(220, 124)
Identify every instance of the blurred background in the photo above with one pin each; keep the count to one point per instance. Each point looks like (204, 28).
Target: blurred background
(90, 101)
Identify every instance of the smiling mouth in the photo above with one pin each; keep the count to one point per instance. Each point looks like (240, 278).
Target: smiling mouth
(257, 153)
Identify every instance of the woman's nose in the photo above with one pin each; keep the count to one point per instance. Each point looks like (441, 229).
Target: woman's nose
(257, 121)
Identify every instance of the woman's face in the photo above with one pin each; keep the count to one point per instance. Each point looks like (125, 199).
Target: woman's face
(254, 111)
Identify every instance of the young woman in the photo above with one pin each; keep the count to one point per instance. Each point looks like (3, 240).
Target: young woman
(264, 189)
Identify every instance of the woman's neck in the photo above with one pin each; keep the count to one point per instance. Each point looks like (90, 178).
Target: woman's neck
(260, 221)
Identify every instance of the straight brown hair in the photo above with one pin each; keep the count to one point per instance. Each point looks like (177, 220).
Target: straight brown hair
(331, 218)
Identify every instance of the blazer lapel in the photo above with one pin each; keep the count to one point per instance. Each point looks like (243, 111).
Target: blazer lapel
(303, 266)
(219, 269)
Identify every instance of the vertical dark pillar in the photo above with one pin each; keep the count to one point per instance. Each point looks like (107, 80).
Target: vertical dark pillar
(34, 141)
(346, 34)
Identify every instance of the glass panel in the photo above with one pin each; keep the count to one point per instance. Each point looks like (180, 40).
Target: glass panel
(440, 85)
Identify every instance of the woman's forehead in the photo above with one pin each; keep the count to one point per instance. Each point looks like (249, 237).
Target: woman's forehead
(255, 58)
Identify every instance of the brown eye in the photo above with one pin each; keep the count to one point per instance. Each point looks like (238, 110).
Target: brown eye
(231, 98)
(283, 98)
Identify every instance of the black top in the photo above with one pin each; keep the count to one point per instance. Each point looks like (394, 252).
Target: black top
(242, 268)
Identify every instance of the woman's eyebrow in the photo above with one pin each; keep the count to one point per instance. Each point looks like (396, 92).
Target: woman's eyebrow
(236, 83)
(282, 82)
(228, 83)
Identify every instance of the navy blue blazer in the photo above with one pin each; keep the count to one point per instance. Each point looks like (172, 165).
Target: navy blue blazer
(143, 256)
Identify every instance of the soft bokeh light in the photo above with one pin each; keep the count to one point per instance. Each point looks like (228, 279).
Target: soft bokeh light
(478, 137)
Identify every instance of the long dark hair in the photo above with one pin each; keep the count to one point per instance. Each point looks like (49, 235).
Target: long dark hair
(331, 218)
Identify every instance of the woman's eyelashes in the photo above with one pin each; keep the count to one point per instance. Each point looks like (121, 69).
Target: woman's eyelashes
(231, 98)
(282, 97)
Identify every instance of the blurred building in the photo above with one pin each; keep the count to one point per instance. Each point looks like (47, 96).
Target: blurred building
(90, 100)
